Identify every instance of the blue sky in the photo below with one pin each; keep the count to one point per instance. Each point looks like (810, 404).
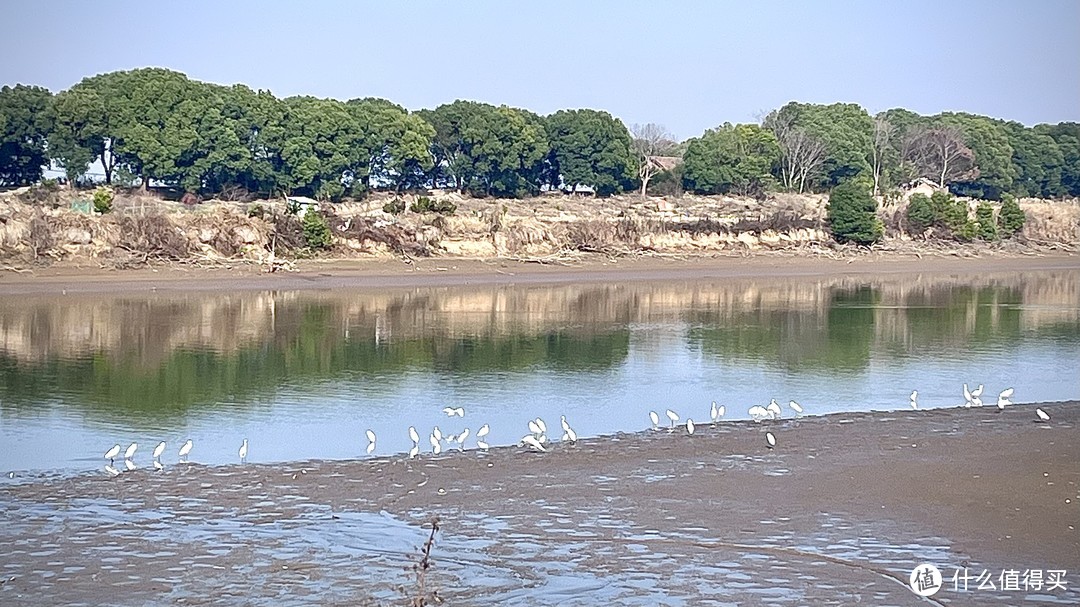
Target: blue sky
(686, 65)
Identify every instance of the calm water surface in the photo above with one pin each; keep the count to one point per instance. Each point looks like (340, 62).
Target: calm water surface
(304, 374)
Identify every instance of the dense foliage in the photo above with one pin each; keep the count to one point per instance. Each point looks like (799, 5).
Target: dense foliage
(158, 126)
(852, 214)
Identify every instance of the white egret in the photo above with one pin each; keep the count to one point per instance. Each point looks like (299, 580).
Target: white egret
(158, 450)
(977, 392)
(530, 441)
(483, 431)
(714, 412)
(673, 416)
(689, 426)
(535, 428)
(976, 401)
(543, 426)
(130, 452)
(112, 453)
(1003, 398)
(914, 399)
(130, 465)
(452, 411)
(437, 433)
(967, 396)
(796, 407)
(243, 451)
(655, 420)
(414, 451)
(436, 443)
(111, 470)
(770, 439)
(461, 439)
(371, 441)
(758, 413)
(721, 411)
(1043, 415)
(185, 449)
(568, 432)
(774, 409)
(481, 444)
(414, 436)
(158, 466)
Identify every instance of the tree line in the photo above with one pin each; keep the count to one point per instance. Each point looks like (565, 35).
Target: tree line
(157, 125)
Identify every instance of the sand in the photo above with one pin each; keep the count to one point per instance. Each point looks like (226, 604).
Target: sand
(837, 514)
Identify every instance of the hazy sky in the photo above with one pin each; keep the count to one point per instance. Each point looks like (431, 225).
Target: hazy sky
(686, 65)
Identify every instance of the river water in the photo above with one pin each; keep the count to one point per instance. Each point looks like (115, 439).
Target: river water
(303, 374)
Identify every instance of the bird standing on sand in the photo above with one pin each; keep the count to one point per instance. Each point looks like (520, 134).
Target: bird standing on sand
(158, 450)
(112, 453)
(714, 413)
(774, 409)
(1003, 398)
(914, 399)
(655, 419)
(481, 436)
(243, 451)
(758, 413)
(530, 441)
(371, 441)
(673, 416)
(770, 440)
(967, 396)
(568, 432)
(689, 426)
(130, 452)
(461, 439)
(1043, 415)
(185, 449)
(436, 442)
(796, 407)
(414, 436)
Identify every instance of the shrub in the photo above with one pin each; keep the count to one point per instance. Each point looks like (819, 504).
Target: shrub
(425, 204)
(984, 218)
(852, 214)
(395, 206)
(316, 230)
(103, 199)
(1011, 218)
(920, 212)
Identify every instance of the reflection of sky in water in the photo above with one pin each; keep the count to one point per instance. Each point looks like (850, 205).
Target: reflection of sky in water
(603, 358)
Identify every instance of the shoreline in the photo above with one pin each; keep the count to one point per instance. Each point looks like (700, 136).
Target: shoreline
(446, 272)
(839, 512)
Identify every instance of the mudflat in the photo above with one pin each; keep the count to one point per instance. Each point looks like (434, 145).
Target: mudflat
(446, 271)
(838, 513)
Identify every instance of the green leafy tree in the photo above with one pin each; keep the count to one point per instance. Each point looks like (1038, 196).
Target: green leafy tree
(984, 217)
(25, 123)
(395, 145)
(852, 214)
(316, 230)
(920, 212)
(591, 148)
(1038, 162)
(1011, 218)
(1067, 137)
(846, 131)
(989, 141)
(731, 158)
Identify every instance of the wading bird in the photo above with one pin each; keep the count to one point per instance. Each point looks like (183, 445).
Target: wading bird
(758, 413)
(452, 411)
(111, 470)
(1043, 415)
(185, 449)
(689, 426)
(655, 419)
(568, 432)
(977, 392)
(774, 409)
(158, 450)
(1003, 398)
(130, 452)
(673, 416)
(770, 439)
(461, 439)
(967, 396)
(543, 426)
(714, 413)
(112, 453)
(414, 436)
(243, 451)
(914, 399)
(796, 407)
(483, 431)
(371, 441)
(414, 451)
(530, 441)
(436, 443)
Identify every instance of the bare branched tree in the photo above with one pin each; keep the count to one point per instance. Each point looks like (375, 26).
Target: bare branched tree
(940, 153)
(883, 134)
(650, 140)
(801, 154)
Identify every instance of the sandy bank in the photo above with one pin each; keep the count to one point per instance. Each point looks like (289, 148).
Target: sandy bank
(843, 508)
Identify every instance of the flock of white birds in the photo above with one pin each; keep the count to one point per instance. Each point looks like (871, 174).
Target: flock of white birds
(537, 439)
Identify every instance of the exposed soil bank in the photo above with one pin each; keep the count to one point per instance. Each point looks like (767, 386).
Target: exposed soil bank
(838, 513)
(383, 273)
